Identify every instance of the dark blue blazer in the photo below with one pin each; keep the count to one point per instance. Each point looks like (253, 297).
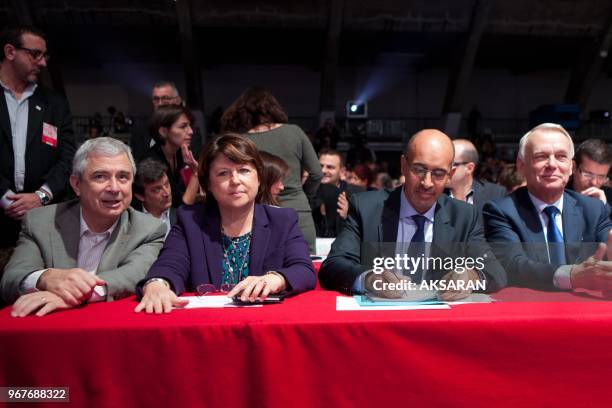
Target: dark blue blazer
(514, 220)
(374, 217)
(193, 251)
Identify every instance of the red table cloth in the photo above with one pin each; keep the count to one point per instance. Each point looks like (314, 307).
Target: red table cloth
(550, 351)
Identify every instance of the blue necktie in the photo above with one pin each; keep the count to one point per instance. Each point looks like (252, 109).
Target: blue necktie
(419, 235)
(556, 247)
(417, 246)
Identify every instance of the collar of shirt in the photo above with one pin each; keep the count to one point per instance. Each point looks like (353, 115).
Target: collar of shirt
(469, 197)
(407, 210)
(27, 92)
(164, 216)
(85, 228)
(541, 205)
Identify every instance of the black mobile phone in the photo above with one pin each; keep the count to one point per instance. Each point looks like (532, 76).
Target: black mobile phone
(269, 300)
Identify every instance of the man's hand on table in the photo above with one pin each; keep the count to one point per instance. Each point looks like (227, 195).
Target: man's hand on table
(377, 284)
(457, 294)
(74, 285)
(43, 302)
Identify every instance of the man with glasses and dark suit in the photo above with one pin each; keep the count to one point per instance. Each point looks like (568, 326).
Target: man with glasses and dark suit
(36, 135)
(591, 169)
(417, 212)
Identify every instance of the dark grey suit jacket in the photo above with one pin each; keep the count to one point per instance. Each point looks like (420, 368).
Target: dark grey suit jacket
(374, 217)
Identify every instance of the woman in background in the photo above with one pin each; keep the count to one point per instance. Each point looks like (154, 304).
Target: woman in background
(260, 116)
(274, 173)
(171, 129)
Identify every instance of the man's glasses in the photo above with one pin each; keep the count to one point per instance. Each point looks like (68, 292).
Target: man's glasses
(455, 164)
(37, 55)
(590, 176)
(421, 172)
(164, 99)
(209, 289)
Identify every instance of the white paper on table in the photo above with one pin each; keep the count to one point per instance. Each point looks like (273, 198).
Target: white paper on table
(211, 302)
(323, 245)
(344, 303)
(474, 298)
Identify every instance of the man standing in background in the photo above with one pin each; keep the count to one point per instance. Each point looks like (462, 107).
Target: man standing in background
(36, 134)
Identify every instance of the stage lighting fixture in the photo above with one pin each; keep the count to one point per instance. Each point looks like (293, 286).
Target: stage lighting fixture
(356, 109)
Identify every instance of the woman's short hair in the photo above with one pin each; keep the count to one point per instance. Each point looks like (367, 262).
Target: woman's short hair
(510, 178)
(100, 146)
(237, 149)
(165, 116)
(254, 107)
(275, 170)
(364, 173)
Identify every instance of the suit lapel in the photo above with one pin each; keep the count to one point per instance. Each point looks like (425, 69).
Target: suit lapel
(116, 245)
(529, 214)
(213, 247)
(68, 223)
(37, 108)
(573, 220)
(387, 229)
(5, 120)
(573, 227)
(259, 242)
(442, 229)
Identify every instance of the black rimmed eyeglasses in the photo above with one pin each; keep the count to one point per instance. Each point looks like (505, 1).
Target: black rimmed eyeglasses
(37, 55)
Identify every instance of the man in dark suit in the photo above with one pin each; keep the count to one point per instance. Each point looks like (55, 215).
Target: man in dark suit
(591, 170)
(36, 134)
(463, 186)
(540, 232)
(417, 212)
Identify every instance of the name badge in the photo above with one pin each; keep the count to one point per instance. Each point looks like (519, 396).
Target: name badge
(49, 134)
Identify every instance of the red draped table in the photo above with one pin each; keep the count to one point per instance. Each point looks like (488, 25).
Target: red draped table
(551, 351)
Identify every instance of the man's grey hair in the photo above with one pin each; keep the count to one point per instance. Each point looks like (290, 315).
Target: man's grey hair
(544, 126)
(163, 83)
(100, 146)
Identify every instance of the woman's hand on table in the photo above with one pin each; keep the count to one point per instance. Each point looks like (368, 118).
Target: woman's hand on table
(159, 298)
(259, 287)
